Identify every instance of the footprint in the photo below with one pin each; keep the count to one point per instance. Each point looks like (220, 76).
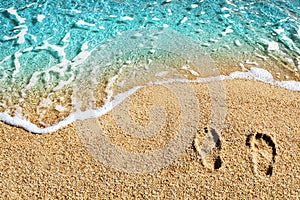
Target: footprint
(209, 149)
(263, 153)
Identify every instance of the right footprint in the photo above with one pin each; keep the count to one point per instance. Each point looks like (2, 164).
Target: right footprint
(263, 153)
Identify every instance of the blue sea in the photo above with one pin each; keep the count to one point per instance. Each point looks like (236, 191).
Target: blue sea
(59, 58)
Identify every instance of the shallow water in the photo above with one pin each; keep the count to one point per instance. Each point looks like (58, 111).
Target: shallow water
(47, 60)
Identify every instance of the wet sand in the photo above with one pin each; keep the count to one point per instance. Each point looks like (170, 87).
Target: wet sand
(257, 156)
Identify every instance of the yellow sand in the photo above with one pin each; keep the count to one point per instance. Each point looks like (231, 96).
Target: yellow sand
(58, 165)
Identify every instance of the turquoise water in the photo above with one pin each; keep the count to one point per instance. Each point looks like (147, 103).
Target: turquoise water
(45, 44)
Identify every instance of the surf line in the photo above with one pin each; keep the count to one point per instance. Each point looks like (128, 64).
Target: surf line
(254, 73)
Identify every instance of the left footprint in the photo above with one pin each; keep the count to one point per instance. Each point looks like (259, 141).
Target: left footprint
(209, 149)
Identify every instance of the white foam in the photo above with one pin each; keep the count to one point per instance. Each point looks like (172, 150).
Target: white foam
(17, 63)
(279, 30)
(272, 46)
(206, 44)
(33, 37)
(194, 5)
(152, 51)
(40, 18)
(76, 11)
(126, 18)
(268, 23)
(28, 6)
(226, 9)
(60, 108)
(242, 66)
(227, 30)
(193, 72)
(251, 63)
(226, 15)
(111, 101)
(59, 68)
(155, 19)
(33, 80)
(229, 2)
(284, 19)
(59, 49)
(261, 56)
(27, 49)
(20, 19)
(227, 46)
(77, 60)
(237, 43)
(66, 39)
(185, 67)
(79, 115)
(83, 23)
(20, 35)
(261, 74)
(266, 77)
(5, 59)
(213, 40)
(22, 26)
(291, 44)
(290, 85)
(183, 20)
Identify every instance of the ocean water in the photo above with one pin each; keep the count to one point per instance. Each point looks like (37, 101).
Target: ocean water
(62, 59)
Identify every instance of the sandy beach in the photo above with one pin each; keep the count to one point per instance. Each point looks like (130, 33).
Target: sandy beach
(257, 156)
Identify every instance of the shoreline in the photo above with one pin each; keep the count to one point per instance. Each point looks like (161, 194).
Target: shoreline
(58, 164)
(258, 74)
